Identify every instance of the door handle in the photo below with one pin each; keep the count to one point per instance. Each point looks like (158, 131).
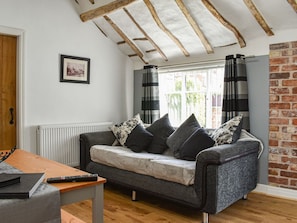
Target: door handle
(11, 115)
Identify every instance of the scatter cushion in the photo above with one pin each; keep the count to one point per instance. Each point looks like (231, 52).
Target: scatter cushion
(197, 142)
(229, 132)
(160, 129)
(139, 139)
(182, 133)
(122, 130)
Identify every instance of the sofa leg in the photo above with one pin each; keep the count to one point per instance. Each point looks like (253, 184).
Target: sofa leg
(244, 197)
(205, 217)
(133, 195)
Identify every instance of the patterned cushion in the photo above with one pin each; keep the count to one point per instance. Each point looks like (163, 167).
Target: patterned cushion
(121, 131)
(229, 132)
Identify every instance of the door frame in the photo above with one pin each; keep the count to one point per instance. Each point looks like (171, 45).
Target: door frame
(20, 34)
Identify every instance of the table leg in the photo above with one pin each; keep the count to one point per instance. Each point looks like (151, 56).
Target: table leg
(98, 204)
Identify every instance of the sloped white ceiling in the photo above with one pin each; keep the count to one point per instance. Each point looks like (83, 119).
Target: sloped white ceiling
(136, 23)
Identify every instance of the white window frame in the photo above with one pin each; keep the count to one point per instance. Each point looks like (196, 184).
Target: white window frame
(192, 67)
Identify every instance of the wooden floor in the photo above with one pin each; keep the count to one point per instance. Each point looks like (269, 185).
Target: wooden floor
(118, 207)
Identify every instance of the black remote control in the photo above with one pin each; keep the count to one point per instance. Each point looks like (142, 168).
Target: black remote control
(78, 178)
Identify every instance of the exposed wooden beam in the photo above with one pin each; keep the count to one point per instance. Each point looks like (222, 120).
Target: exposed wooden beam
(100, 29)
(162, 27)
(103, 10)
(151, 51)
(195, 26)
(293, 3)
(253, 9)
(125, 38)
(227, 24)
(140, 39)
(147, 36)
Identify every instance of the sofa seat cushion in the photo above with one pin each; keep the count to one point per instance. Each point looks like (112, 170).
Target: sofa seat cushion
(164, 167)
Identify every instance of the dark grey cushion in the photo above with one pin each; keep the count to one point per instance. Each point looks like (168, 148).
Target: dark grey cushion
(182, 133)
(197, 142)
(139, 139)
(160, 129)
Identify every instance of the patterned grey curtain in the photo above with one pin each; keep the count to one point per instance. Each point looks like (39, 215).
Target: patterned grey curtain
(235, 99)
(150, 99)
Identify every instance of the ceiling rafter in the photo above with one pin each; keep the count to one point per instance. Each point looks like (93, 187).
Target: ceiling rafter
(253, 9)
(147, 36)
(195, 26)
(227, 24)
(293, 3)
(125, 38)
(162, 27)
(103, 10)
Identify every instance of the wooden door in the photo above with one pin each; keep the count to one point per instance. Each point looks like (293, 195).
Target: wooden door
(8, 91)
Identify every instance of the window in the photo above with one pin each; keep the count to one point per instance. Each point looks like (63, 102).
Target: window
(197, 90)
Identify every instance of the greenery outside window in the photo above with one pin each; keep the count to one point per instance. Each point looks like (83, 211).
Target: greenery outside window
(197, 90)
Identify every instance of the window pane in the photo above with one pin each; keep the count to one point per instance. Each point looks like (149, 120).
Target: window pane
(197, 91)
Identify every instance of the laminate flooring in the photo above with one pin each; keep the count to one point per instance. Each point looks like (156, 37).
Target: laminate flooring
(118, 207)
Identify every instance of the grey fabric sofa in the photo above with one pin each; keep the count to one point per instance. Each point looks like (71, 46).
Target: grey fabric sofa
(223, 175)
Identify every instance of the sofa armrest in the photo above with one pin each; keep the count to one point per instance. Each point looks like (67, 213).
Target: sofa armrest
(225, 173)
(87, 140)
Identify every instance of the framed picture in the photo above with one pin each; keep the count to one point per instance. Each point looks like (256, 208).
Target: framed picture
(75, 69)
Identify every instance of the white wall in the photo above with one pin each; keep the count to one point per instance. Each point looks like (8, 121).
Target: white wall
(52, 28)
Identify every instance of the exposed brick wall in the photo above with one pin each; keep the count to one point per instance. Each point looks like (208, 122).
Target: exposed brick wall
(283, 115)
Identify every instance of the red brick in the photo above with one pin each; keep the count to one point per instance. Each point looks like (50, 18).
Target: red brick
(279, 60)
(289, 144)
(295, 74)
(274, 98)
(288, 174)
(274, 83)
(278, 166)
(294, 44)
(277, 180)
(274, 68)
(289, 98)
(279, 46)
(289, 83)
(289, 160)
(290, 67)
(279, 105)
(294, 89)
(273, 128)
(279, 121)
(294, 121)
(289, 113)
(294, 152)
(284, 75)
(289, 129)
(294, 137)
(293, 183)
(273, 142)
(279, 90)
(294, 58)
(274, 172)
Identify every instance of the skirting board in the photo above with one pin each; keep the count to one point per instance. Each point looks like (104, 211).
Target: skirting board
(276, 191)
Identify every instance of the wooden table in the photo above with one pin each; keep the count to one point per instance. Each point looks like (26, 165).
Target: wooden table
(69, 192)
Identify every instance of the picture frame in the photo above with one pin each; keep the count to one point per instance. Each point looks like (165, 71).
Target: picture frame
(75, 69)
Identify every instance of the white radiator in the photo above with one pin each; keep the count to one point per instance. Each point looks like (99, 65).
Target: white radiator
(61, 142)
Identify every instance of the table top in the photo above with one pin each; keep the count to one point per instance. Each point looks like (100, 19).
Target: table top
(32, 163)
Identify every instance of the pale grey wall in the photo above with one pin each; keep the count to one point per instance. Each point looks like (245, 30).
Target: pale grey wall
(258, 84)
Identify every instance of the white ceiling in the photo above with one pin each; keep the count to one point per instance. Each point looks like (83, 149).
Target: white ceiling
(278, 14)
